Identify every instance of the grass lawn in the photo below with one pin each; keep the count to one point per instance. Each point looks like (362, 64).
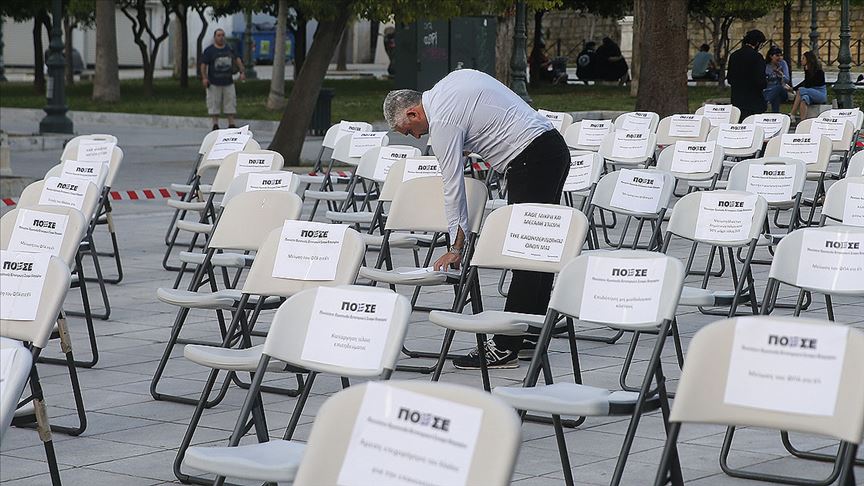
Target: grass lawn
(357, 99)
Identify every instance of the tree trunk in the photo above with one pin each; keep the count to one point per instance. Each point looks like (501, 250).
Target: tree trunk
(199, 48)
(276, 98)
(638, 22)
(106, 81)
(39, 20)
(663, 69)
(69, 71)
(291, 132)
(140, 26)
(175, 47)
(299, 43)
(504, 47)
(182, 18)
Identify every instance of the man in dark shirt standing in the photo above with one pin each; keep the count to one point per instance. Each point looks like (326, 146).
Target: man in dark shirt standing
(746, 75)
(216, 65)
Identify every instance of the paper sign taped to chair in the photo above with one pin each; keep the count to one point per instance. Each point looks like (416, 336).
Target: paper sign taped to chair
(637, 191)
(725, 217)
(786, 366)
(95, 151)
(622, 290)
(350, 328)
(717, 114)
(388, 156)
(770, 124)
(227, 143)
(537, 232)
(363, 141)
(249, 163)
(630, 145)
(581, 168)
(591, 132)
(685, 126)
(849, 115)
(692, 157)
(556, 118)
(22, 278)
(421, 167)
(829, 126)
(94, 172)
(802, 147)
(832, 260)
(853, 210)
(269, 181)
(38, 231)
(774, 182)
(309, 250)
(62, 192)
(637, 121)
(736, 136)
(347, 128)
(401, 437)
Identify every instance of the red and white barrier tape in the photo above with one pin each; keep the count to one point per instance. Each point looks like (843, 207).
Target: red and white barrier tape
(481, 166)
(139, 195)
(337, 173)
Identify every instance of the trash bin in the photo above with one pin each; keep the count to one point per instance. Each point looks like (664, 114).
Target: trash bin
(321, 116)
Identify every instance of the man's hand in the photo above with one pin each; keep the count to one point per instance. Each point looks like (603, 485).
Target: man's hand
(242, 75)
(206, 83)
(449, 259)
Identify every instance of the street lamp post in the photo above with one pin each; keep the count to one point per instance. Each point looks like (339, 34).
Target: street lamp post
(518, 60)
(2, 45)
(814, 28)
(843, 87)
(248, 58)
(56, 120)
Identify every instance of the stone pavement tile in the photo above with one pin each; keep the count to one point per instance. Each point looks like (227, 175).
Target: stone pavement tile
(156, 465)
(84, 451)
(763, 441)
(85, 476)
(635, 473)
(163, 435)
(536, 461)
(12, 468)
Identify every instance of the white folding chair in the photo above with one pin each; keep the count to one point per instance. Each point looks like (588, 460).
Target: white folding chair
(702, 391)
(817, 168)
(581, 181)
(665, 137)
(719, 114)
(592, 138)
(560, 120)
(610, 156)
(834, 211)
(495, 451)
(772, 124)
(638, 121)
(684, 169)
(277, 460)
(841, 140)
(856, 165)
(718, 134)
(568, 301)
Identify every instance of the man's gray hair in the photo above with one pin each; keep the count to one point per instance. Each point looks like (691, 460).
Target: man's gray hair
(397, 103)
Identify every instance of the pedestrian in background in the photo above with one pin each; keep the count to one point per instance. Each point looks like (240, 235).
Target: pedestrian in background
(746, 75)
(217, 65)
(778, 78)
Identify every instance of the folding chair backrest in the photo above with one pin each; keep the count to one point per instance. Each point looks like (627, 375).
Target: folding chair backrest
(369, 160)
(772, 149)
(342, 150)
(806, 126)
(495, 452)
(30, 197)
(57, 171)
(57, 280)
(740, 173)
(734, 114)
(664, 138)
(856, 165)
(76, 228)
(607, 147)
(685, 214)
(573, 278)
(768, 130)
(791, 266)
(287, 333)
(392, 182)
(238, 185)
(667, 156)
(605, 190)
(249, 217)
(228, 167)
(836, 199)
(571, 136)
(856, 125)
(755, 142)
(596, 166)
(566, 121)
(252, 144)
(19, 372)
(700, 396)
(490, 245)
(333, 134)
(419, 205)
(101, 137)
(260, 280)
(623, 122)
(70, 152)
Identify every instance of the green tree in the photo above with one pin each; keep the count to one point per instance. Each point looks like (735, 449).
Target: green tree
(137, 13)
(22, 11)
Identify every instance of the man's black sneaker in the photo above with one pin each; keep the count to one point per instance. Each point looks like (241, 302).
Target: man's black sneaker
(526, 352)
(495, 358)
(215, 126)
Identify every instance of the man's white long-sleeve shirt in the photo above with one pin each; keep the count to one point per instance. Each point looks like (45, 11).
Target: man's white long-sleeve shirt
(471, 111)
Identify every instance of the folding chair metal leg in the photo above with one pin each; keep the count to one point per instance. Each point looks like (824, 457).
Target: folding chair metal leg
(88, 319)
(670, 468)
(115, 248)
(43, 424)
(562, 450)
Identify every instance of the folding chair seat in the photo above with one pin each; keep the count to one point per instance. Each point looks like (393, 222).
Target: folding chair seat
(817, 162)
(687, 128)
(856, 165)
(496, 249)
(724, 220)
(586, 290)
(560, 120)
(588, 134)
(843, 203)
(269, 209)
(841, 133)
(719, 114)
(640, 196)
(637, 121)
(36, 332)
(698, 164)
(328, 451)
(772, 124)
(614, 149)
(703, 394)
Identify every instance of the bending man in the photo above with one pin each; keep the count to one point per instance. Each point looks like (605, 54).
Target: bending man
(472, 111)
